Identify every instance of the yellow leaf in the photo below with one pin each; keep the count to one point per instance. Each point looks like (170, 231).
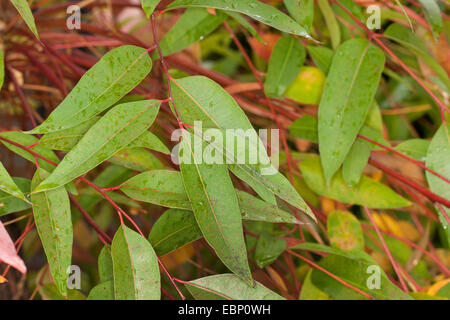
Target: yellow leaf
(178, 257)
(327, 205)
(3, 279)
(437, 286)
(409, 230)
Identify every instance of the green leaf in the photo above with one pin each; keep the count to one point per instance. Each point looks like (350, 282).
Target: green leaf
(301, 11)
(65, 140)
(105, 265)
(194, 25)
(174, 229)
(111, 78)
(438, 156)
(110, 134)
(322, 57)
(161, 187)
(367, 192)
(149, 6)
(102, 291)
(216, 209)
(268, 249)
(219, 110)
(166, 188)
(137, 159)
(8, 185)
(348, 94)
(228, 287)
(136, 270)
(254, 9)
(2, 68)
(305, 127)
(50, 292)
(331, 22)
(151, 141)
(285, 62)
(345, 231)
(311, 246)
(310, 291)
(9, 203)
(433, 15)
(356, 161)
(25, 12)
(414, 148)
(355, 272)
(51, 211)
(409, 40)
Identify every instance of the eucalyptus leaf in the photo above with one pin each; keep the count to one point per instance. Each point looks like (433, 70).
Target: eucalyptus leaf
(9, 203)
(111, 78)
(25, 12)
(228, 287)
(149, 6)
(348, 94)
(254, 9)
(135, 266)
(216, 209)
(8, 185)
(110, 134)
(285, 62)
(51, 211)
(367, 192)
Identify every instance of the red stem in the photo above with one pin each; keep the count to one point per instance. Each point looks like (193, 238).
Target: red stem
(386, 249)
(432, 196)
(330, 274)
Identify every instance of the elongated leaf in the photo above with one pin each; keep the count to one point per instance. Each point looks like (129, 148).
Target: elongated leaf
(8, 185)
(228, 287)
(355, 161)
(165, 188)
(66, 139)
(301, 11)
(102, 291)
(268, 249)
(24, 10)
(415, 148)
(193, 25)
(322, 57)
(216, 209)
(8, 253)
(137, 159)
(310, 291)
(9, 203)
(110, 134)
(2, 68)
(219, 110)
(285, 62)
(149, 6)
(349, 91)
(254, 9)
(367, 192)
(438, 156)
(305, 127)
(174, 229)
(433, 15)
(332, 24)
(406, 38)
(116, 74)
(151, 141)
(345, 231)
(136, 271)
(52, 216)
(105, 265)
(357, 273)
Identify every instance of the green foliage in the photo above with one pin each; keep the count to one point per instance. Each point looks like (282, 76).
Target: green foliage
(107, 160)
